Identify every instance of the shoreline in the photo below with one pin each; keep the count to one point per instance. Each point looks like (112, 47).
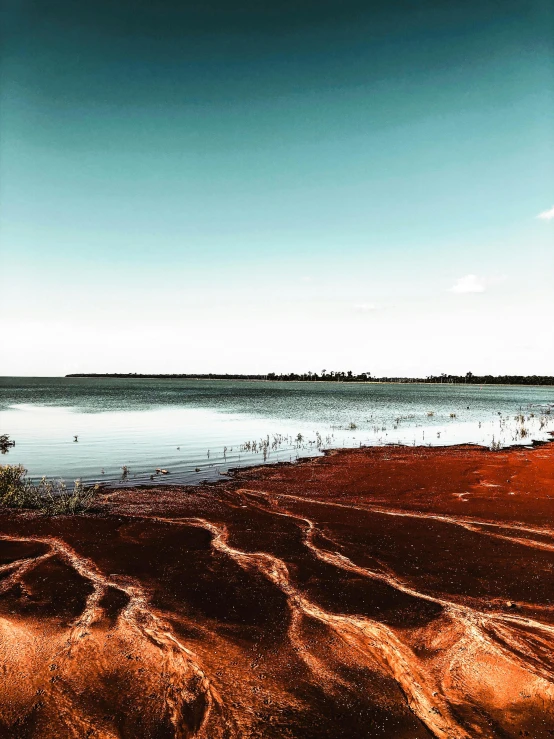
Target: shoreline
(294, 471)
(304, 382)
(199, 378)
(232, 472)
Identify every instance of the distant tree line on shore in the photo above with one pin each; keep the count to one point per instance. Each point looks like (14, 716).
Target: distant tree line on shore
(349, 376)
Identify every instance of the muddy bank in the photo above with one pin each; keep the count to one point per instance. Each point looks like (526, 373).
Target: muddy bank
(385, 592)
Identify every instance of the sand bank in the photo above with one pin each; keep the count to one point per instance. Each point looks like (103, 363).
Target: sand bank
(386, 592)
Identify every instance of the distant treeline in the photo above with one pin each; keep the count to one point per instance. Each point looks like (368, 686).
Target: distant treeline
(324, 376)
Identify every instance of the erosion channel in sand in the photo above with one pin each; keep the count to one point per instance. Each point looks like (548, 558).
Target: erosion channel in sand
(395, 592)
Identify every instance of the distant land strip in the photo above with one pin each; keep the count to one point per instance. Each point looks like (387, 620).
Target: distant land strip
(467, 379)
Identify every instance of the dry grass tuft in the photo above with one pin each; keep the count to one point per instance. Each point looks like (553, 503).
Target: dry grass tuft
(54, 498)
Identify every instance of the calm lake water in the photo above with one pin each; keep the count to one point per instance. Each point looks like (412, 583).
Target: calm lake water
(197, 430)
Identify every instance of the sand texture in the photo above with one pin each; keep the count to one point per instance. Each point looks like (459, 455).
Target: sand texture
(387, 592)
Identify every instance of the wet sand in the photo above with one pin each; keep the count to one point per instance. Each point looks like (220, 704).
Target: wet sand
(386, 592)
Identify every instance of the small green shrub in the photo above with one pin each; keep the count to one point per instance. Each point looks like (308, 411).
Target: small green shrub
(17, 491)
(5, 443)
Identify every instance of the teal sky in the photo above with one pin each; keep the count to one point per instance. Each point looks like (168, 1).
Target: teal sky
(275, 186)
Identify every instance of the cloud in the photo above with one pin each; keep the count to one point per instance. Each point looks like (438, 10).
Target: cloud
(469, 284)
(547, 215)
(474, 284)
(365, 307)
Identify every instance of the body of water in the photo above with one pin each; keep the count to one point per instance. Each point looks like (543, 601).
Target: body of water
(125, 429)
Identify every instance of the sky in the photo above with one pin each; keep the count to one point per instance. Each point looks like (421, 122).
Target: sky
(251, 187)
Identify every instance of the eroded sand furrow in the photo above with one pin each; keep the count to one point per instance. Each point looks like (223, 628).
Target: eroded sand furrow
(476, 525)
(533, 543)
(373, 641)
(185, 682)
(343, 562)
(376, 642)
(479, 621)
(20, 569)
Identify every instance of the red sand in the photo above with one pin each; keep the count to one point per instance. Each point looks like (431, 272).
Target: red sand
(387, 592)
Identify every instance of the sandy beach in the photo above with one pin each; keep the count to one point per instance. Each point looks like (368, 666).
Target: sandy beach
(391, 592)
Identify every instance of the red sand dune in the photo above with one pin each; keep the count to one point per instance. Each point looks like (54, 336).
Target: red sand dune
(387, 592)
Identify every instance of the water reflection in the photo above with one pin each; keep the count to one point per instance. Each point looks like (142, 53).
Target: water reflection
(202, 434)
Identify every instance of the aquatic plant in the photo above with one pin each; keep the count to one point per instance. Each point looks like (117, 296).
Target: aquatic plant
(49, 496)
